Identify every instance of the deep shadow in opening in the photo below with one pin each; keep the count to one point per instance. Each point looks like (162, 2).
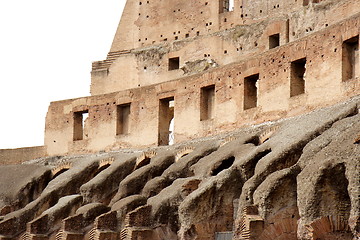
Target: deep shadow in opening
(143, 163)
(225, 164)
(100, 169)
(253, 140)
(250, 165)
(60, 172)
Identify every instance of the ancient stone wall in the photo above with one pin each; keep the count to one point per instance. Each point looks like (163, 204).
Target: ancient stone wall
(198, 32)
(260, 97)
(19, 155)
(296, 178)
(314, 71)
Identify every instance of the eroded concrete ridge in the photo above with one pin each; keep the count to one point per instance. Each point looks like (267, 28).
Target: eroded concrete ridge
(291, 179)
(223, 119)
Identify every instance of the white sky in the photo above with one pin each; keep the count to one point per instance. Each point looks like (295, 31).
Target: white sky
(46, 51)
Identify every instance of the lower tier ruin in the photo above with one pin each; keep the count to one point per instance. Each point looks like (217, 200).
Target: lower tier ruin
(297, 178)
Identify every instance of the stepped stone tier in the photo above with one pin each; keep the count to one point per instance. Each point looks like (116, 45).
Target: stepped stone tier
(295, 178)
(226, 119)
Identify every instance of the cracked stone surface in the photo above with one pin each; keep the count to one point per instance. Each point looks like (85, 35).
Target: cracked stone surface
(297, 178)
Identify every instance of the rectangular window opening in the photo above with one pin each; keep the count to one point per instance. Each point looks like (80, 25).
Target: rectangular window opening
(226, 6)
(250, 91)
(123, 119)
(350, 58)
(274, 41)
(297, 78)
(207, 102)
(305, 2)
(79, 125)
(174, 63)
(166, 121)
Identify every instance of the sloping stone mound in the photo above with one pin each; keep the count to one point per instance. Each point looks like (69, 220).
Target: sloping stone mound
(298, 178)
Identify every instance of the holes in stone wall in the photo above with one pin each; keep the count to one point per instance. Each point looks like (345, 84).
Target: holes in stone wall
(225, 164)
(274, 41)
(123, 119)
(350, 58)
(207, 102)
(79, 124)
(174, 63)
(297, 77)
(250, 91)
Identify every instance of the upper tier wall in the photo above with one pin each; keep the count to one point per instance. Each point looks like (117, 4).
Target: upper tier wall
(149, 22)
(197, 32)
(315, 71)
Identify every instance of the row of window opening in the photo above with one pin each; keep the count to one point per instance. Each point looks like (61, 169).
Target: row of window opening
(350, 70)
(207, 105)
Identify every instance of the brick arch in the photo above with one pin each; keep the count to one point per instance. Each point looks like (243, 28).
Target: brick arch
(265, 135)
(183, 152)
(227, 140)
(283, 229)
(144, 159)
(55, 172)
(330, 228)
(104, 163)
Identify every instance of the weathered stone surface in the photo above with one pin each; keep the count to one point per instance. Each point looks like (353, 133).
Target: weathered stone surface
(103, 186)
(238, 120)
(16, 192)
(135, 181)
(297, 178)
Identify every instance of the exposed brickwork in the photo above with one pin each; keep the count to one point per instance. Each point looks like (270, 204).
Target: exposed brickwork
(208, 119)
